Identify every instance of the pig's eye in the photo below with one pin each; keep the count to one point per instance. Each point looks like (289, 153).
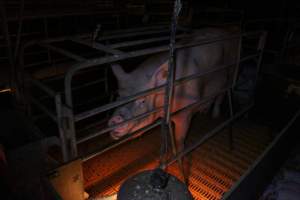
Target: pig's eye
(141, 102)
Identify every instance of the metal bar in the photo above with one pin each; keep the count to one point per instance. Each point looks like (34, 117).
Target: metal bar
(134, 30)
(19, 33)
(78, 88)
(84, 139)
(145, 41)
(270, 148)
(43, 87)
(132, 135)
(166, 129)
(89, 84)
(98, 46)
(71, 132)
(7, 38)
(197, 103)
(63, 52)
(93, 62)
(236, 70)
(134, 34)
(229, 94)
(125, 100)
(261, 45)
(62, 134)
(92, 125)
(208, 135)
(28, 17)
(110, 59)
(104, 108)
(202, 101)
(43, 108)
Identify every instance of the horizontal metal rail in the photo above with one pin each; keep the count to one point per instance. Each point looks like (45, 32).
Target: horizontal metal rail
(209, 135)
(43, 87)
(134, 34)
(97, 46)
(145, 41)
(43, 108)
(141, 116)
(197, 103)
(74, 88)
(134, 30)
(125, 100)
(63, 52)
(132, 54)
(129, 137)
(112, 105)
(262, 156)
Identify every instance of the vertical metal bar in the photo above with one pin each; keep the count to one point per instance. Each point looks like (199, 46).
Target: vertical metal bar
(47, 37)
(62, 134)
(71, 132)
(229, 95)
(19, 33)
(260, 49)
(238, 59)
(169, 90)
(229, 92)
(165, 128)
(6, 33)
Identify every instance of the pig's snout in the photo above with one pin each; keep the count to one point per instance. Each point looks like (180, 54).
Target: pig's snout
(120, 130)
(115, 120)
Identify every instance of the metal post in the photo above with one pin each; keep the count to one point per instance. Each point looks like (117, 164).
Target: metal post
(260, 49)
(62, 135)
(19, 33)
(229, 94)
(169, 90)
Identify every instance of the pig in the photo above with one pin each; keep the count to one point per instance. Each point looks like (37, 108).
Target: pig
(153, 72)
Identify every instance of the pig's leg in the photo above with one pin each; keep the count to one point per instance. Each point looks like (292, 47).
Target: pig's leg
(217, 106)
(182, 123)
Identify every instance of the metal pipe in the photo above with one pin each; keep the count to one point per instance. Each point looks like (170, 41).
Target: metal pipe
(208, 135)
(132, 54)
(63, 52)
(134, 34)
(169, 91)
(84, 139)
(132, 135)
(125, 100)
(145, 41)
(19, 33)
(43, 87)
(43, 108)
(229, 94)
(197, 103)
(98, 46)
(108, 59)
(262, 156)
(260, 49)
(62, 136)
(236, 70)
(6, 36)
(134, 30)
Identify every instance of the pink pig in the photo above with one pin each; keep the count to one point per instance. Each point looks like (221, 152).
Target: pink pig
(153, 72)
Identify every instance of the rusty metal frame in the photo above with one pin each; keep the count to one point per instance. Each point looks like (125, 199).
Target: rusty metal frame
(67, 118)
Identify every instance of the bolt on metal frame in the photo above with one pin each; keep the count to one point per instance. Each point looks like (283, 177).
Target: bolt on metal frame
(65, 117)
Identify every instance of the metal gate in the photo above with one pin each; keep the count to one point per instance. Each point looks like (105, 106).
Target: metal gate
(64, 114)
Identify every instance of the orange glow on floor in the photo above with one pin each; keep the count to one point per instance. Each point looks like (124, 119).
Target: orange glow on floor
(212, 169)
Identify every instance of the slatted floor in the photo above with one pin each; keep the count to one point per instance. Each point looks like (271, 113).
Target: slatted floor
(212, 168)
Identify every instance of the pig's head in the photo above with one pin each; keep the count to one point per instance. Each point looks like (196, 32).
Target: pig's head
(130, 84)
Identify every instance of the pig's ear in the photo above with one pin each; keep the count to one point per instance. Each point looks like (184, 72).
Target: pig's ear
(160, 75)
(119, 72)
